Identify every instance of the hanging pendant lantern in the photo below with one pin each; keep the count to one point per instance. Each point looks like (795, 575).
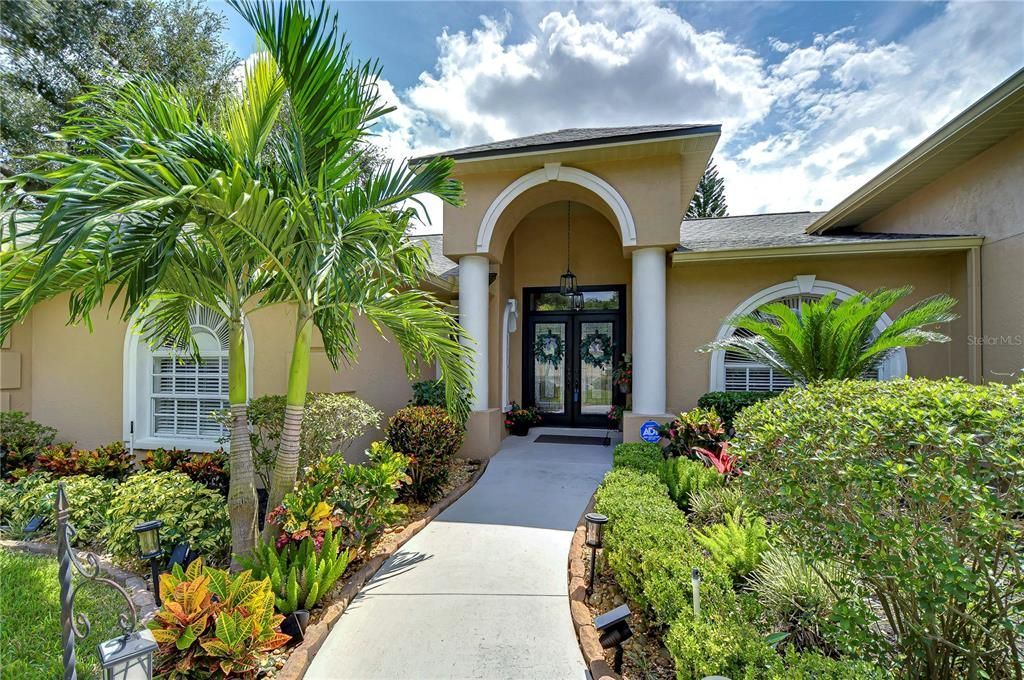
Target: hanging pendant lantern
(567, 284)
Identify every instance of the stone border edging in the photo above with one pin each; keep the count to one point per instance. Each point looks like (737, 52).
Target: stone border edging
(582, 621)
(142, 598)
(302, 655)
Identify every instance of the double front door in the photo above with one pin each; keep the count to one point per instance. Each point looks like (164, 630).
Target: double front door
(570, 355)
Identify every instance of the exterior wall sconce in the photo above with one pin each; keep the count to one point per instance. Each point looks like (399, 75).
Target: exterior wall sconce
(613, 628)
(595, 539)
(148, 536)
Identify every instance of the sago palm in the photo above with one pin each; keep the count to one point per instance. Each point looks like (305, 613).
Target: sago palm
(825, 340)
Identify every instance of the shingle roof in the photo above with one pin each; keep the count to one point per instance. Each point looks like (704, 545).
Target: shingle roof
(773, 230)
(571, 137)
(440, 265)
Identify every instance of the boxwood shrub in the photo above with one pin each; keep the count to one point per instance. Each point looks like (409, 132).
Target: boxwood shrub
(915, 487)
(639, 456)
(191, 514)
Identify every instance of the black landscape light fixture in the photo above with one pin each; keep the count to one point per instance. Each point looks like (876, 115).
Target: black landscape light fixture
(33, 525)
(595, 537)
(613, 628)
(129, 657)
(148, 536)
(183, 555)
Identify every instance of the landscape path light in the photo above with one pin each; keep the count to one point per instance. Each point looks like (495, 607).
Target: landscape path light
(614, 630)
(595, 539)
(129, 657)
(148, 536)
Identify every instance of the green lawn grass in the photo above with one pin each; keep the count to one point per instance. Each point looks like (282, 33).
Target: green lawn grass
(30, 633)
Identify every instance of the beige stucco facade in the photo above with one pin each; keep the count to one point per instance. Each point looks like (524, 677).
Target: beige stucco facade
(961, 235)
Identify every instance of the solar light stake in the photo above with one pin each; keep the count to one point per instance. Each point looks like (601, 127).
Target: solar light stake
(614, 630)
(148, 536)
(595, 536)
(695, 578)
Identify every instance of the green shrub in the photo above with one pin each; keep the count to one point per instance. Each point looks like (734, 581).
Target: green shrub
(737, 544)
(651, 549)
(728, 404)
(112, 461)
(721, 644)
(685, 477)
(88, 498)
(639, 456)
(12, 512)
(811, 666)
(191, 514)
(429, 436)
(712, 504)
(300, 574)
(330, 424)
(432, 393)
(20, 440)
(914, 486)
(798, 598)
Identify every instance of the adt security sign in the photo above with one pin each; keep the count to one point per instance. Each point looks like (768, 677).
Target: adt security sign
(650, 432)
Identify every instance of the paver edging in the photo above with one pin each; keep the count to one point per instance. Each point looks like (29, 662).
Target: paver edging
(302, 655)
(141, 597)
(586, 634)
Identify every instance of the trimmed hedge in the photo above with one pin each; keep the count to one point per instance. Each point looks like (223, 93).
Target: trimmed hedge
(652, 551)
(638, 456)
(729, 404)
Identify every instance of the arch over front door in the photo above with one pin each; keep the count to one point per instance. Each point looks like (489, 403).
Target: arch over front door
(556, 172)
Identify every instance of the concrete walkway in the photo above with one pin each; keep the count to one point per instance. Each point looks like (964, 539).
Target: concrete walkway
(481, 592)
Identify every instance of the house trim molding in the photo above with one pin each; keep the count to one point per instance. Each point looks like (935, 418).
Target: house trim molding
(556, 172)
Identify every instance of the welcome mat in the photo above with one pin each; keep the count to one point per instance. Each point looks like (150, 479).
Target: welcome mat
(571, 439)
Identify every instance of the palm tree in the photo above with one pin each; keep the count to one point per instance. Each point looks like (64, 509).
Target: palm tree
(260, 207)
(341, 250)
(827, 341)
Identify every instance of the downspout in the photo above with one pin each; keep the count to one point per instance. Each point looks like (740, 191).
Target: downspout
(975, 344)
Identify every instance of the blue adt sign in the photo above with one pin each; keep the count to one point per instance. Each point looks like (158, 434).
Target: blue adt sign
(650, 432)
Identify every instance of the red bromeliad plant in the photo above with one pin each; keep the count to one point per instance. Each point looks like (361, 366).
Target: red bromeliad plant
(720, 459)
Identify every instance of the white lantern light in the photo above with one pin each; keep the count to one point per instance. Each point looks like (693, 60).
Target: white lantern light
(129, 657)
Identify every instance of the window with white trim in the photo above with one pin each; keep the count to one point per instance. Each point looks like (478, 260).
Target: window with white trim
(732, 372)
(170, 396)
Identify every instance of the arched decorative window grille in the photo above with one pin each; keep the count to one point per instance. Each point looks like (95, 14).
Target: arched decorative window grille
(731, 372)
(169, 396)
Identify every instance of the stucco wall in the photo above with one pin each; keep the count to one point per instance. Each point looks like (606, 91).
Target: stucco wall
(702, 295)
(984, 196)
(16, 369)
(77, 376)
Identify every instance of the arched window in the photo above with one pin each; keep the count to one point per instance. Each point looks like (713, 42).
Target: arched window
(169, 397)
(731, 372)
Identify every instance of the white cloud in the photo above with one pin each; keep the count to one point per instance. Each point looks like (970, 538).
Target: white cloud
(797, 134)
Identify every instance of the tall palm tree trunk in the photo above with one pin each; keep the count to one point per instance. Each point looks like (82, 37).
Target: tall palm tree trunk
(242, 485)
(286, 467)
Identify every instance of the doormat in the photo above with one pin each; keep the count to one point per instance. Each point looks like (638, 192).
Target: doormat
(571, 439)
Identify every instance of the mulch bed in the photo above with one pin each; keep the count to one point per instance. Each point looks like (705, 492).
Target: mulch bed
(291, 662)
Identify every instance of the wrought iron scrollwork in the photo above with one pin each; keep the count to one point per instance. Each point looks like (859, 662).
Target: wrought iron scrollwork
(76, 625)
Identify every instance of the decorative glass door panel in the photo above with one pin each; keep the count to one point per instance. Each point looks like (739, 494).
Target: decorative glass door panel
(597, 359)
(569, 355)
(549, 361)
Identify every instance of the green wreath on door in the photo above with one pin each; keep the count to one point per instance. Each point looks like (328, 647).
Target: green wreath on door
(549, 348)
(597, 349)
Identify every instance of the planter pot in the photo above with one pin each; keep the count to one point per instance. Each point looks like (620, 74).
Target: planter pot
(519, 430)
(295, 624)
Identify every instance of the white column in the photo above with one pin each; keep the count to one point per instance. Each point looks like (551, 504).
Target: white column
(649, 331)
(474, 271)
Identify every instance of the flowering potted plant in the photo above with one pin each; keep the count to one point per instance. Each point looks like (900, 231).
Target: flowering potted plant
(518, 420)
(615, 417)
(622, 375)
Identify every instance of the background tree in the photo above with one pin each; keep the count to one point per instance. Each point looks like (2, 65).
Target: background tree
(709, 198)
(825, 341)
(52, 51)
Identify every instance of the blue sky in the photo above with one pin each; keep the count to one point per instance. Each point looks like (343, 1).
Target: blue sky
(814, 97)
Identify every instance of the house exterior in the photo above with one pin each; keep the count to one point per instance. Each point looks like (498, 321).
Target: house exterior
(607, 204)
